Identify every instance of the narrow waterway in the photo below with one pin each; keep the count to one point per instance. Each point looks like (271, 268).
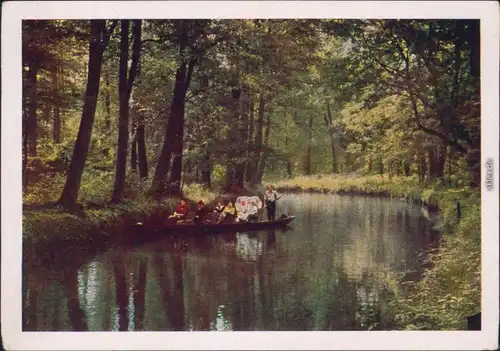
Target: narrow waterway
(326, 273)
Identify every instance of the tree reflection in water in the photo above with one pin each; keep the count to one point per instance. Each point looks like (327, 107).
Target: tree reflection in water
(325, 274)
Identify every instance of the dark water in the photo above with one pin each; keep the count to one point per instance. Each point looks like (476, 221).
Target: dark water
(324, 274)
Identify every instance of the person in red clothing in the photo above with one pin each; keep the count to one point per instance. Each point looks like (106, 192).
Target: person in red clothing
(181, 212)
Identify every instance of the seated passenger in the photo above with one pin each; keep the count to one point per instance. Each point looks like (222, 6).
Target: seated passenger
(181, 212)
(218, 211)
(200, 213)
(229, 213)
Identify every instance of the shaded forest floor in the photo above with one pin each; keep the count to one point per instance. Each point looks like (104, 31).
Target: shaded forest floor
(450, 288)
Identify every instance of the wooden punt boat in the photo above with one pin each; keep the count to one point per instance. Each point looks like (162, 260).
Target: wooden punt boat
(218, 227)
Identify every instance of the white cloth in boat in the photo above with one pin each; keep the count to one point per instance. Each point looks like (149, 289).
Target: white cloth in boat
(247, 206)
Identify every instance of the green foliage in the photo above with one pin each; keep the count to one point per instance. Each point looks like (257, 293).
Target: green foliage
(218, 173)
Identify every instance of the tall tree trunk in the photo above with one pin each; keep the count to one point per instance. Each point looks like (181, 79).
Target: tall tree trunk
(450, 166)
(407, 167)
(32, 108)
(141, 147)
(422, 167)
(206, 170)
(258, 140)
(441, 160)
(133, 152)
(25, 117)
(473, 159)
(235, 172)
(97, 45)
(125, 85)
(263, 159)
(174, 131)
(107, 101)
(25, 155)
(329, 124)
(288, 161)
(121, 154)
(437, 160)
(474, 47)
(250, 152)
(309, 148)
(133, 141)
(56, 126)
(177, 117)
(380, 166)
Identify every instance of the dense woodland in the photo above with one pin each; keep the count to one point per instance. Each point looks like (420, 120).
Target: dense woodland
(110, 104)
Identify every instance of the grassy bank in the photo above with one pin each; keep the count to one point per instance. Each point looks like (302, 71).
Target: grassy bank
(450, 288)
(47, 229)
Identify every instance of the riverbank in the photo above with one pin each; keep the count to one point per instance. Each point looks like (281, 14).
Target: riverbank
(50, 235)
(450, 287)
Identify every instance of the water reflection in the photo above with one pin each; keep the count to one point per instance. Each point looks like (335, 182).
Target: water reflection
(325, 274)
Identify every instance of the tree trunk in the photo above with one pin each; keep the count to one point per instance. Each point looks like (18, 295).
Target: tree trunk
(422, 167)
(263, 159)
(437, 160)
(258, 140)
(450, 166)
(407, 168)
(69, 195)
(133, 152)
(125, 84)
(474, 47)
(141, 147)
(380, 166)
(25, 155)
(329, 124)
(235, 172)
(107, 102)
(251, 151)
(309, 148)
(288, 161)
(133, 141)
(174, 132)
(206, 170)
(473, 159)
(177, 116)
(441, 161)
(56, 126)
(32, 108)
(121, 154)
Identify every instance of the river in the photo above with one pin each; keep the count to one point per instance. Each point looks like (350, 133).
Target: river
(326, 273)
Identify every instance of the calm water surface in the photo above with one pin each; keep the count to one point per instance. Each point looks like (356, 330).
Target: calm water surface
(324, 274)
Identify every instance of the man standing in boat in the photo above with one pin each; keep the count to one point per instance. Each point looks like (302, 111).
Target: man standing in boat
(270, 198)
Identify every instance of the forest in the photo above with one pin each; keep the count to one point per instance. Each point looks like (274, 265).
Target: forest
(228, 103)
(136, 112)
